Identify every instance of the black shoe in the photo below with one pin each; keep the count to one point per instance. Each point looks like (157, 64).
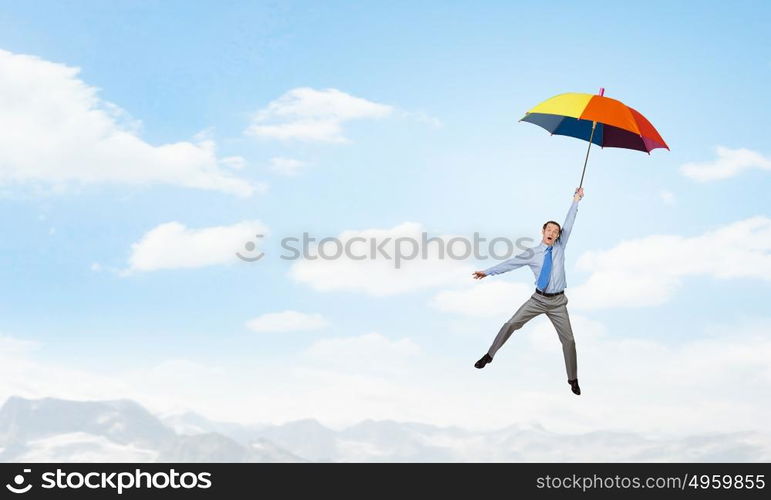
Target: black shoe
(574, 387)
(483, 361)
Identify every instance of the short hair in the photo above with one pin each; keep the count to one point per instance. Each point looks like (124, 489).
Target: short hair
(556, 224)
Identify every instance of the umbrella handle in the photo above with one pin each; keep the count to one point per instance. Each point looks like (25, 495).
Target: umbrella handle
(594, 124)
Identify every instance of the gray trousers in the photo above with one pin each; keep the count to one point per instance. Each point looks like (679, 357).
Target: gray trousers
(556, 310)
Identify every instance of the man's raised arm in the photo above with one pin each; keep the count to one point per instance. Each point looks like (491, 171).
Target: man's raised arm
(567, 227)
(513, 263)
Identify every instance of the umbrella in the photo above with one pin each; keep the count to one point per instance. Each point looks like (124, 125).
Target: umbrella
(598, 119)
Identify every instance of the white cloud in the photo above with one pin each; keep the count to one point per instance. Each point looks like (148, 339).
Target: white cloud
(57, 132)
(484, 299)
(423, 117)
(286, 166)
(729, 163)
(286, 321)
(307, 114)
(261, 187)
(714, 374)
(363, 354)
(14, 346)
(668, 197)
(647, 271)
(172, 246)
(23, 373)
(381, 272)
(638, 384)
(234, 162)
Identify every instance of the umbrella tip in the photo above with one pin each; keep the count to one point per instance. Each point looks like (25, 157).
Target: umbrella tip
(602, 91)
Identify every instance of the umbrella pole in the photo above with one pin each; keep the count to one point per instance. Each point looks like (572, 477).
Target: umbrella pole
(594, 124)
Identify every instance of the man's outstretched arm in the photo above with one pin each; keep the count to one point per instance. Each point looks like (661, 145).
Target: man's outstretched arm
(567, 227)
(513, 263)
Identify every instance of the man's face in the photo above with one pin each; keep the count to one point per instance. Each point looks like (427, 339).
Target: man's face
(550, 234)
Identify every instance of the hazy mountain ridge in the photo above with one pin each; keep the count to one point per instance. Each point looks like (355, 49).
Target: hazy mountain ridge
(123, 431)
(112, 431)
(389, 441)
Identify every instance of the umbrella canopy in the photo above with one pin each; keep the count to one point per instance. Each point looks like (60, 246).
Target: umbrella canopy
(615, 124)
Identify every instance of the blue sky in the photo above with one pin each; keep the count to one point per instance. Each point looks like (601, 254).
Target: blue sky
(450, 156)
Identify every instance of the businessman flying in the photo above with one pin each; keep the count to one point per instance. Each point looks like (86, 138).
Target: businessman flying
(547, 262)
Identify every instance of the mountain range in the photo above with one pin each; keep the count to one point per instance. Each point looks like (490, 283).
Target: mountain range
(56, 430)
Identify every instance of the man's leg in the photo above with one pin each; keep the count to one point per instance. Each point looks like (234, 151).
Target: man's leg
(525, 313)
(561, 321)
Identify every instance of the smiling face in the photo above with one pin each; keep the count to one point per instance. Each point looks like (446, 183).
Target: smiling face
(550, 233)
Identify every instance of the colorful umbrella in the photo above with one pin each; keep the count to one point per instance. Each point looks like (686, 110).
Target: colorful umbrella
(598, 119)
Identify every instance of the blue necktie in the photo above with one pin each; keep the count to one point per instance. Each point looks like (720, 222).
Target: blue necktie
(543, 278)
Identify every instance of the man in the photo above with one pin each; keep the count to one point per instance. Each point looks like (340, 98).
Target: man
(547, 261)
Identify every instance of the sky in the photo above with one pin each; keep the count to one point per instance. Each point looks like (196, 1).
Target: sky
(145, 143)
